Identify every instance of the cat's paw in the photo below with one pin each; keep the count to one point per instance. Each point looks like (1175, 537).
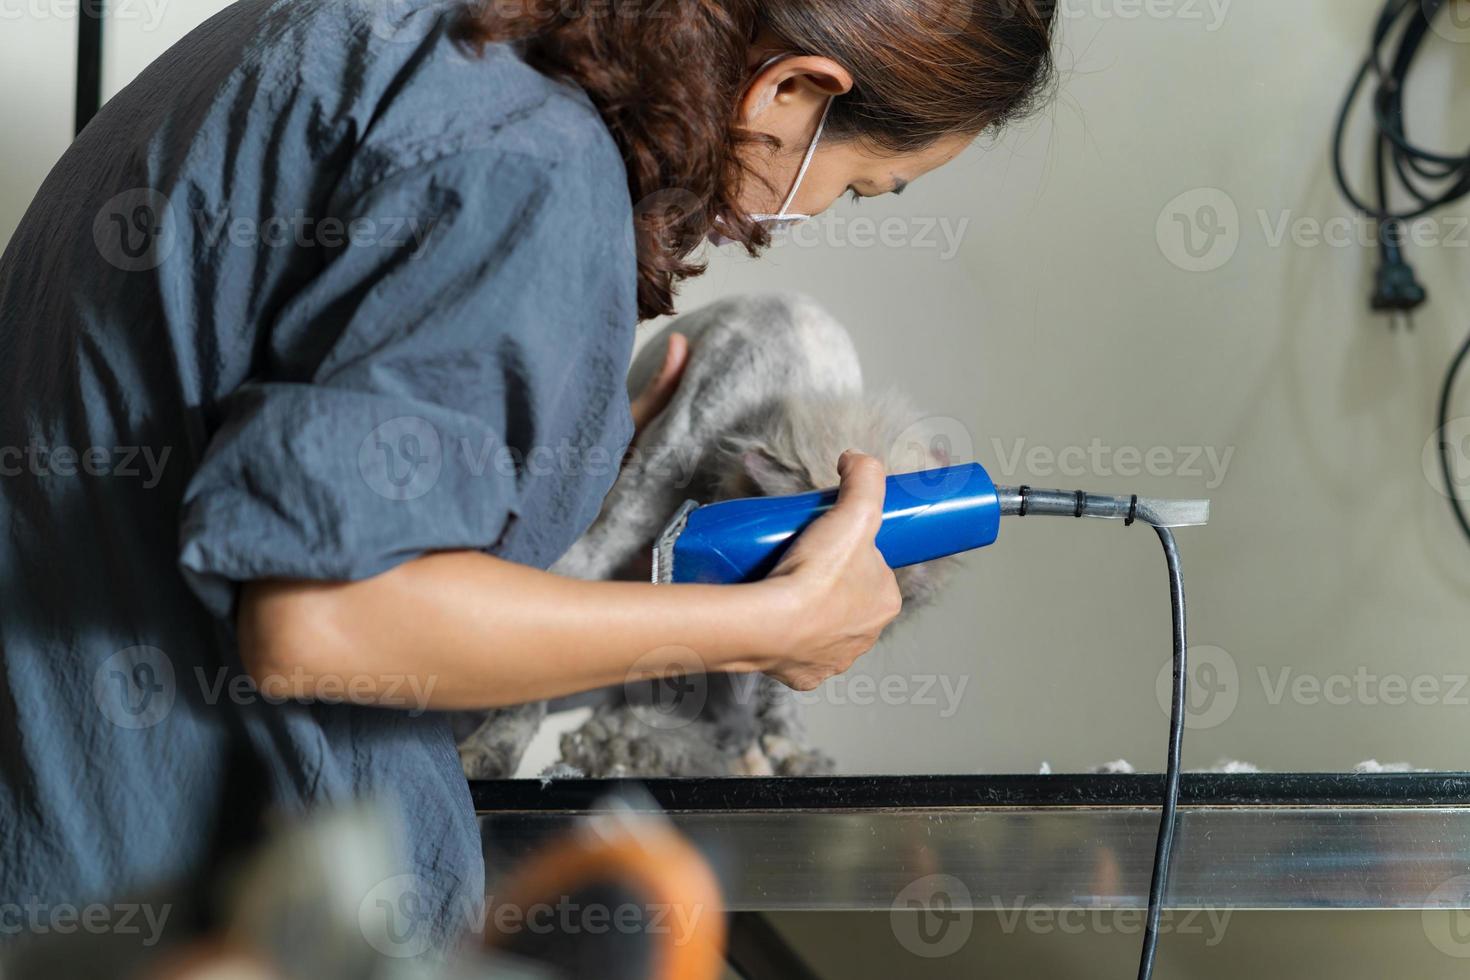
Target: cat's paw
(790, 759)
(482, 763)
(752, 763)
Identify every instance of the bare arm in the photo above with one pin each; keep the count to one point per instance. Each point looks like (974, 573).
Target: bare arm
(473, 631)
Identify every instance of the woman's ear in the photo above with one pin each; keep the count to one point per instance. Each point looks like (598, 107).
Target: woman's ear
(785, 93)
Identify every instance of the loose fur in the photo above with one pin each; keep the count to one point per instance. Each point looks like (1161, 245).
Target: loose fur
(771, 397)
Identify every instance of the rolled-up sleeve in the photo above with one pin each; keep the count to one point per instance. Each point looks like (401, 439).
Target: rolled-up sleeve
(426, 334)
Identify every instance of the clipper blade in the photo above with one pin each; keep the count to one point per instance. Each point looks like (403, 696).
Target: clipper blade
(663, 548)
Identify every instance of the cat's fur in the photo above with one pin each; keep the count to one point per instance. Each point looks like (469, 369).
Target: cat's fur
(771, 396)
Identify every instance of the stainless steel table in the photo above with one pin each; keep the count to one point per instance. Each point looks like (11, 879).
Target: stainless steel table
(1287, 841)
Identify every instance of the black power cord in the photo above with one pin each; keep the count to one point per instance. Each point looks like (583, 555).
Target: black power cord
(1397, 290)
(1429, 179)
(1445, 448)
(1059, 503)
(1169, 813)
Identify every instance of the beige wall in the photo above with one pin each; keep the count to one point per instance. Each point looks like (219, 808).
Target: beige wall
(37, 72)
(1028, 294)
(38, 78)
(1061, 320)
(141, 30)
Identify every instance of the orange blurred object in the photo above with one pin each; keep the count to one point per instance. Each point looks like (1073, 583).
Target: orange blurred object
(646, 856)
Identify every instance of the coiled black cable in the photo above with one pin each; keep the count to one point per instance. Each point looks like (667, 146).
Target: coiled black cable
(1414, 167)
(1446, 394)
(1409, 162)
(1169, 812)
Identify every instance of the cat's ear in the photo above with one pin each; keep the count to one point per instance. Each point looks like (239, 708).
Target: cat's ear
(923, 445)
(770, 476)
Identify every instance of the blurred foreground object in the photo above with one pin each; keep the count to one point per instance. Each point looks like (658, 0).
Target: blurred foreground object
(623, 896)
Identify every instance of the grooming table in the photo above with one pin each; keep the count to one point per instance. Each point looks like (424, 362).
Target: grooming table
(1267, 841)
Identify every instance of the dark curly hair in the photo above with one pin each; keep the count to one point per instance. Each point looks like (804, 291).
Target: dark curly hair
(667, 75)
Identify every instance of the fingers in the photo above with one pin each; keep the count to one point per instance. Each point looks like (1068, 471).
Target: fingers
(675, 357)
(860, 497)
(657, 394)
(805, 682)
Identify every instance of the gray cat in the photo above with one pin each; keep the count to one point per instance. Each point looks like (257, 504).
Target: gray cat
(771, 396)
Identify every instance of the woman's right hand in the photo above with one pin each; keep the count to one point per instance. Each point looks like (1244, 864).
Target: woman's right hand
(839, 593)
(467, 630)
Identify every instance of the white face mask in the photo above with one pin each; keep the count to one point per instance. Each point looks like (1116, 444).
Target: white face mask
(784, 219)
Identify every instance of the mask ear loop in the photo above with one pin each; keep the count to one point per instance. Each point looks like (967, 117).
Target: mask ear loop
(811, 151)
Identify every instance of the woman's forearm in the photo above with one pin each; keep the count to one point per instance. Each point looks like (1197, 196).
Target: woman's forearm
(467, 630)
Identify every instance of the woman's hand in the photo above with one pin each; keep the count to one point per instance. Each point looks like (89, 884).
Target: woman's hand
(841, 593)
(656, 396)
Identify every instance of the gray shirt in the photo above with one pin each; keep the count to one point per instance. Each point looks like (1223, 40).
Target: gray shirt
(318, 293)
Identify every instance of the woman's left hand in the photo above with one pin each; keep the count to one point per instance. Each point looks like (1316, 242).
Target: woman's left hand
(656, 396)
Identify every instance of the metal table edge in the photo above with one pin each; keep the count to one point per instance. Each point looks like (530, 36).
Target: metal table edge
(1272, 790)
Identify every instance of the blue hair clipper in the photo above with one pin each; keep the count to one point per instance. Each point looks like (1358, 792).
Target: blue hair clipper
(927, 514)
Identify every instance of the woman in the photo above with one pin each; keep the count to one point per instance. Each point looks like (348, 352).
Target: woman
(315, 344)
